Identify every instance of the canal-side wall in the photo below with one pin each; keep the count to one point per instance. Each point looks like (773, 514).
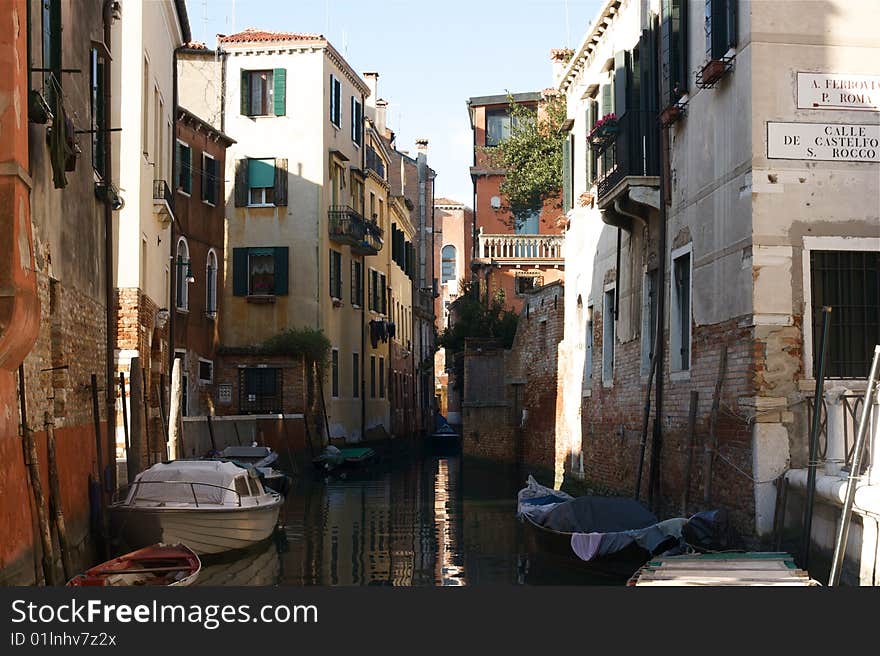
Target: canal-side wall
(509, 406)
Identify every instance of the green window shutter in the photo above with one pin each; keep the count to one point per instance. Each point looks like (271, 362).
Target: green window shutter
(591, 121)
(245, 93)
(186, 169)
(241, 182)
(731, 23)
(605, 107)
(282, 267)
(332, 96)
(239, 272)
(261, 173)
(621, 81)
(566, 175)
(280, 80)
(281, 182)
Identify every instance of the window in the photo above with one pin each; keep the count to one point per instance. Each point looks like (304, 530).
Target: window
(848, 282)
(335, 274)
(241, 487)
(355, 376)
(184, 168)
(211, 179)
(263, 93)
(357, 195)
(334, 373)
(206, 371)
(145, 119)
(260, 271)
(182, 275)
(720, 27)
(649, 319)
(357, 284)
(608, 337)
(211, 285)
(357, 121)
(497, 126)
(261, 181)
(184, 402)
(673, 48)
(526, 282)
(378, 297)
(51, 18)
(260, 390)
(98, 112)
(381, 378)
(588, 350)
(680, 330)
(447, 271)
(372, 376)
(335, 101)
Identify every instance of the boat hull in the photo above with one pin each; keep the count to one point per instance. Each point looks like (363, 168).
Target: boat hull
(204, 530)
(618, 567)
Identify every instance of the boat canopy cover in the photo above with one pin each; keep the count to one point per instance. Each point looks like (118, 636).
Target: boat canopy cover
(257, 452)
(212, 482)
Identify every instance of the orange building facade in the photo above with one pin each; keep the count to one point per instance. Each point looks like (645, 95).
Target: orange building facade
(508, 257)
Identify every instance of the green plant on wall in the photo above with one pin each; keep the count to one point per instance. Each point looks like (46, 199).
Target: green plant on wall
(477, 318)
(531, 157)
(308, 343)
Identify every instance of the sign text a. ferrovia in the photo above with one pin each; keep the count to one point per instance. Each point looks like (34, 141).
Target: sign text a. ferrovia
(838, 91)
(835, 142)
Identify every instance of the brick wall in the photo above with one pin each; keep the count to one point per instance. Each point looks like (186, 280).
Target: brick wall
(227, 369)
(509, 407)
(612, 420)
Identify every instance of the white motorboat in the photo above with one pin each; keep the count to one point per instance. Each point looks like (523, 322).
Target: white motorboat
(210, 506)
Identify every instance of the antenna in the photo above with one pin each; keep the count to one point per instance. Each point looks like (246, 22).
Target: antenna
(327, 16)
(233, 17)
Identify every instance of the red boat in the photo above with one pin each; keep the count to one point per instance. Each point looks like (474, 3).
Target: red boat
(159, 564)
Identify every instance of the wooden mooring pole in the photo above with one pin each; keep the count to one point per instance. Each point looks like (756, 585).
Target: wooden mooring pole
(33, 466)
(55, 497)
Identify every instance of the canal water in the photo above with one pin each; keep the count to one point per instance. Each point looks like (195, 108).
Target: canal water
(413, 520)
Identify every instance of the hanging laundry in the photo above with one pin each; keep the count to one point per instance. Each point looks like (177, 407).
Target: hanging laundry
(375, 333)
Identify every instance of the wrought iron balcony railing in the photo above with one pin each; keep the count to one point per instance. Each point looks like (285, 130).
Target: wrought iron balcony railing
(346, 226)
(633, 150)
(163, 201)
(375, 163)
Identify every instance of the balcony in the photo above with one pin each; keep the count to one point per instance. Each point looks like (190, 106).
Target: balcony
(348, 227)
(628, 172)
(374, 163)
(521, 249)
(163, 201)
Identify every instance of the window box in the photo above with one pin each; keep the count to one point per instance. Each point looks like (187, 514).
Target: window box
(605, 132)
(261, 299)
(672, 114)
(712, 72)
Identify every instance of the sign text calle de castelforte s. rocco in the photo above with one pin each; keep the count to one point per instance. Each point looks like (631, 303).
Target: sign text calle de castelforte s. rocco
(836, 142)
(838, 91)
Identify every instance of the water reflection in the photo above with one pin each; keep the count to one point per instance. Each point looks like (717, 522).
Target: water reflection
(418, 521)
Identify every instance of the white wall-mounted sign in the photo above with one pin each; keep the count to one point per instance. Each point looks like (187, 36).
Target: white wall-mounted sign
(838, 91)
(224, 393)
(835, 142)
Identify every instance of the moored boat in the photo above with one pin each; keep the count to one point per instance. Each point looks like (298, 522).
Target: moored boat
(335, 458)
(156, 565)
(609, 536)
(211, 506)
(260, 458)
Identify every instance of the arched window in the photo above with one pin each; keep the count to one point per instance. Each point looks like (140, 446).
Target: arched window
(211, 285)
(182, 274)
(448, 258)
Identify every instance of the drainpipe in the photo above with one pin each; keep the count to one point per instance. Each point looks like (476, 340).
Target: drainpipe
(109, 289)
(364, 301)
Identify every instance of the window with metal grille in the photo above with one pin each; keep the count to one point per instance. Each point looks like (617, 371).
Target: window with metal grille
(848, 282)
(259, 391)
(335, 274)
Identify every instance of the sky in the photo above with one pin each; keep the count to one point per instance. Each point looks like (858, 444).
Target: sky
(431, 56)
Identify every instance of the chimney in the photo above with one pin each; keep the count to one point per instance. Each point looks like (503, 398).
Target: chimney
(382, 117)
(422, 146)
(372, 80)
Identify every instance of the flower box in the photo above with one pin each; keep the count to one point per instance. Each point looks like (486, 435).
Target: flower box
(712, 71)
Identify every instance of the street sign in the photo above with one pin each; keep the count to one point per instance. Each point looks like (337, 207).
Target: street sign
(838, 91)
(835, 142)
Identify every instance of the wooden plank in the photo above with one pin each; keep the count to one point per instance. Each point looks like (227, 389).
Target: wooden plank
(739, 576)
(667, 584)
(725, 565)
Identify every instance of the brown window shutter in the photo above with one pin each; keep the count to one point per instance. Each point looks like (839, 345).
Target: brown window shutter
(241, 183)
(281, 182)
